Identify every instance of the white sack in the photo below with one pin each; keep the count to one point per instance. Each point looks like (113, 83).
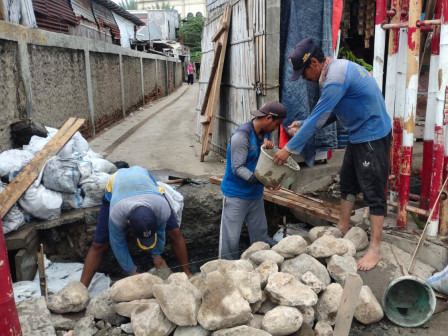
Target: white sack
(41, 202)
(175, 199)
(439, 281)
(14, 160)
(72, 201)
(61, 175)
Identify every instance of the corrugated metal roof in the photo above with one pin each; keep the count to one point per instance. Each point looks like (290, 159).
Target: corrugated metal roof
(51, 24)
(104, 18)
(120, 11)
(83, 8)
(40, 7)
(54, 15)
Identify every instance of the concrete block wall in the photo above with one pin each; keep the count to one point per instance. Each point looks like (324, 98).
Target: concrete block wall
(51, 77)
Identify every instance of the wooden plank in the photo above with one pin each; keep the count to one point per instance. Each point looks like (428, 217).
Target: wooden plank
(216, 85)
(20, 238)
(26, 177)
(293, 200)
(42, 275)
(347, 305)
(215, 62)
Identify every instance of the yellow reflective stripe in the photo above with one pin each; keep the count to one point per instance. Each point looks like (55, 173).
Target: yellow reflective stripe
(161, 189)
(143, 247)
(110, 183)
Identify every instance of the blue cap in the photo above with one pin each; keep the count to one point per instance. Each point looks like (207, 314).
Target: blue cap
(144, 225)
(300, 56)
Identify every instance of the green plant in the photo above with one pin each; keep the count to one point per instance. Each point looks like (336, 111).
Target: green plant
(128, 4)
(347, 54)
(191, 30)
(164, 5)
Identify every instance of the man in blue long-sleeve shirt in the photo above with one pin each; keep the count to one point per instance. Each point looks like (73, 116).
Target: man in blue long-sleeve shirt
(133, 198)
(352, 96)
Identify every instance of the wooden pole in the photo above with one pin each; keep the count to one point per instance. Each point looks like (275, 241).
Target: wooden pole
(42, 276)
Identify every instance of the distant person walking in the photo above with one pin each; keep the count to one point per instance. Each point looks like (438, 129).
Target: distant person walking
(190, 69)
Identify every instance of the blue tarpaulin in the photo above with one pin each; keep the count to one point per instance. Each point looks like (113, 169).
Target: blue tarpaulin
(301, 19)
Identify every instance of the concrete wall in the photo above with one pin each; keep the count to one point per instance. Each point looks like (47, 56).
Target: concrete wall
(51, 77)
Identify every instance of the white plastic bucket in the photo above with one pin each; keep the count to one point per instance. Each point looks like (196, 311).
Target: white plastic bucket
(271, 174)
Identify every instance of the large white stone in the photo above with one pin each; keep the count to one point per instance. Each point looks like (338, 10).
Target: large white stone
(223, 266)
(256, 321)
(312, 281)
(178, 299)
(303, 263)
(319, 231)
(263, 255)
(241, 331)
(70, 299)
(359, 237)
(368, 310)
(247, 283)
(322, 328)
(328, 304)
(351, 248)
(265, 269)
(191, 331)
(198, 280)
(126, 308)
(288, 291)
(222, 304)
(255, 247)
(290, 246)
(307, 314)
(326, 246)
(267, 306)
(135, 287)
(340, 266)
(282, 321)
(102, 307)
(148, 319)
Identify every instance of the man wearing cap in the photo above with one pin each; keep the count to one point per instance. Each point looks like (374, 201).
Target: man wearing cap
(133, 198)
(351, 95)
(243, 193)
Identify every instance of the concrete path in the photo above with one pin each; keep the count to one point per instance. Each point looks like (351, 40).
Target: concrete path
(161, 136)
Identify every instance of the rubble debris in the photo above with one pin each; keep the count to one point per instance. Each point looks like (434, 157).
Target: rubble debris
(359, 237)
(134, 288)
(229, 298)
(290, 246)
(319, 231)
(326, 246)
(282, 321)
(70, 299)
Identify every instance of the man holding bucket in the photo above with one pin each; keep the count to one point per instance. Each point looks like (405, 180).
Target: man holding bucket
(351, 95)
(243, 193)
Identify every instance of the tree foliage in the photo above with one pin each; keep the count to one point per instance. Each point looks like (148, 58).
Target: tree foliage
(128, 4)
(191, 32)
(164, 5)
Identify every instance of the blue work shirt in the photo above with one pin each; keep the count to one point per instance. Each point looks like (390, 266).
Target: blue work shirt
(351, 95)
(128, 188)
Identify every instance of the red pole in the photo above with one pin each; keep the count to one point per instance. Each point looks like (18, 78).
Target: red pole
(380, 42)
(390, 94)
(428, 138)
(415, 10)
(9, 320)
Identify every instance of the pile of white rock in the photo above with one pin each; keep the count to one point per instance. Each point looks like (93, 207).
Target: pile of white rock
(289, 289)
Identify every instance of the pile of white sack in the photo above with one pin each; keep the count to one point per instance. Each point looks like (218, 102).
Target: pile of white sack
(75, 178)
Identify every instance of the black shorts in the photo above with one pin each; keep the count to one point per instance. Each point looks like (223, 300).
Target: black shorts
(102, 225)
(365, 169)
